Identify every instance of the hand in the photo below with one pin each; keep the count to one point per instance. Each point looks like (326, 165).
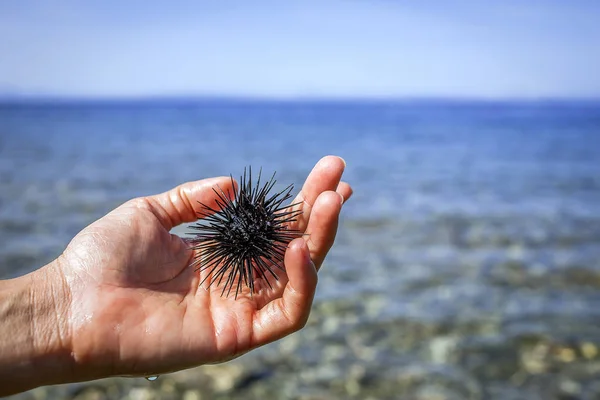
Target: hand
(132, 306)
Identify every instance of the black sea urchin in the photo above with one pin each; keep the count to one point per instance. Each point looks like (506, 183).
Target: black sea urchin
(245, 238)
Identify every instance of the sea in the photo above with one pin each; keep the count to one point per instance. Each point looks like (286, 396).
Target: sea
(466, 265)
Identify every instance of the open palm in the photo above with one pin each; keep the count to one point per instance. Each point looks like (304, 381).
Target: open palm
(137, 309)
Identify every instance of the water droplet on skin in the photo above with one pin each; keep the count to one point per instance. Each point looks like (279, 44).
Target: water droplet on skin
(152, 378)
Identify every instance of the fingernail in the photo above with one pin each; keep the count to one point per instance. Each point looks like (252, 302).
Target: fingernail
(341, 198)
(344, 161)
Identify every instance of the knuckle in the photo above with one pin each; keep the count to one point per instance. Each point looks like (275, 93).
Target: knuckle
(141, 203)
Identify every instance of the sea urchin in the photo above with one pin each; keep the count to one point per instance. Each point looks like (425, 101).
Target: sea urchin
(244, 239)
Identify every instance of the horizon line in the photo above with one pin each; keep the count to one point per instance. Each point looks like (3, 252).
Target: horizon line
(69, 99)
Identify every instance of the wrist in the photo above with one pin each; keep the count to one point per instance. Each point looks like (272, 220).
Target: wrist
(35, 350)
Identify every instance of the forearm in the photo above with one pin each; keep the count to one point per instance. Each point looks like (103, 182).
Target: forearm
(34, 338)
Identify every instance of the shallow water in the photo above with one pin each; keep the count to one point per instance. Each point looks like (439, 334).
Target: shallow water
(467, 264)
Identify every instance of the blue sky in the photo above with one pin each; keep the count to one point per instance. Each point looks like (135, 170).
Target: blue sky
(345, 48)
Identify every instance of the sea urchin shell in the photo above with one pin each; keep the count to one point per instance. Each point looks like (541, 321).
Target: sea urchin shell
(244, 239)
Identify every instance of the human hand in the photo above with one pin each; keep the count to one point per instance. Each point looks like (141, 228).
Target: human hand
(128, 304)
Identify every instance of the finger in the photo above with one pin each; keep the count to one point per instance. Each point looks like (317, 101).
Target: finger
(290, 312)
(322, 226)
(182, 203)
(325, 176)
(345, 190)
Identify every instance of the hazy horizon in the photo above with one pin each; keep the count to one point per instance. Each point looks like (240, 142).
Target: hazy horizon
(216, 98)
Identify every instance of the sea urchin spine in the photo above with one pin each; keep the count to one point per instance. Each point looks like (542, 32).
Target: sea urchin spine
(244, 239)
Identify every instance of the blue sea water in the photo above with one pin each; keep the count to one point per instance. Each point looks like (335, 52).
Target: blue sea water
(460, 209)
(63, 165)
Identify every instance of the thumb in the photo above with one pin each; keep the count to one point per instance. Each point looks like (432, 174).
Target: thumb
(182, 203)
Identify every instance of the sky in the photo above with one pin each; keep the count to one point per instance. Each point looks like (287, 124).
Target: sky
(305, 48)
